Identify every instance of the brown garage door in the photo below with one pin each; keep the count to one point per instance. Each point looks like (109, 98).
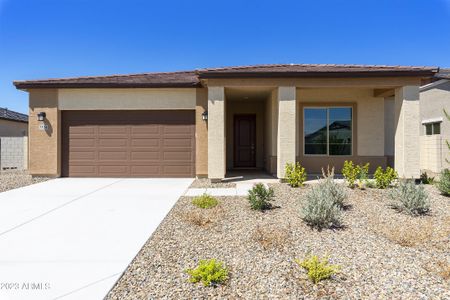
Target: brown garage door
(128, 143)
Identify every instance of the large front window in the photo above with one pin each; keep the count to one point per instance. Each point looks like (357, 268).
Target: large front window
(328, 131)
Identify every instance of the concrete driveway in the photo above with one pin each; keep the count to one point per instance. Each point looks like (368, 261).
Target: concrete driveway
(72, 238)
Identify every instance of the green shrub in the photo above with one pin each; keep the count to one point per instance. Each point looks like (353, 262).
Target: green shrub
(318, 268)
(205, 201)
(425, 179)
(363, 175)
(209, 272)
(350, 173)
(260, 197)
(322, 209)
(295, 174)
(355, 173)
(444, 182)
(410, 198)
(384, 179)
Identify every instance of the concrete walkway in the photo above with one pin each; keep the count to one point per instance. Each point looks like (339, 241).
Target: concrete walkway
(72, 238)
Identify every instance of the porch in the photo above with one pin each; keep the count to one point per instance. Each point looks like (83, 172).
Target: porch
(262, 125)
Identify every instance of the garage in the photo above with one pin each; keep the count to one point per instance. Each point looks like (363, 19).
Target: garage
(157, 143)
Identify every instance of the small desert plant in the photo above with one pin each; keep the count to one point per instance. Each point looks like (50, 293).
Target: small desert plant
(205, 201)
(328, 173)
(336, 192)
(318, 268)
(383, 179)
(350, 173)
(410, 198)
(363, 175)
(260, 197)
(444, 182)
(425, 179)
(209, 272)
(320, 209)
(270, 237)
(202, 217)
(353, 173)
(295, 174)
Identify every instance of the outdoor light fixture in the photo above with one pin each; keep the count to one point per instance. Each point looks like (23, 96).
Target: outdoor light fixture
(205, 115)
(41, 116)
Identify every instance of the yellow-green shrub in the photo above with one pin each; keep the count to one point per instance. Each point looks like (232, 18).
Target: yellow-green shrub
(318, 268)
(209, 272)
(205, 201)
(352, 173)
(295, 174)
(384, 179)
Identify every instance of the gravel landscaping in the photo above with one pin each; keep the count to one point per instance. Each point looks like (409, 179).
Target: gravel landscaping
(202, 183)
(15, 179)
(383, 254)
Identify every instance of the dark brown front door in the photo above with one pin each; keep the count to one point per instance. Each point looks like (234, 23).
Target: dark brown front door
(128, 143)
(245, 141)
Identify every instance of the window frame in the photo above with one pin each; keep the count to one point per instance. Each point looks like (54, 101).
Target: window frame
(432, 124)
(327, 108)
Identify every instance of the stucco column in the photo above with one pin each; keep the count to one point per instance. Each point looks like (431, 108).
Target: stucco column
(216, 133)
(407, 118)
(286, 128)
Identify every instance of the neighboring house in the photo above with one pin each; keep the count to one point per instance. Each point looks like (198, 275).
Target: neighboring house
(206, 122)
(435, 127)
(13, 124)
(13, 140)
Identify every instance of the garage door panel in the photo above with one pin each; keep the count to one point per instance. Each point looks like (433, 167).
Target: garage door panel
(145, 130)
(84, 170)
(112, 155)
(179, 142)
(129, 143)
(112, 142)
(112, 130)
(145, 155)
(82, 155)
(150, 171)
(142, 142)
(82, 142)
(112, 170)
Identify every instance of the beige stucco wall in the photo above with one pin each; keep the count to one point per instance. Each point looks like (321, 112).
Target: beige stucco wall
(287, 128)
(110, 99)
(434, 150)
(216, 133)
(432, 153)
(245, 107)
(44, 146)
(13, 129)
(407, 128)
(368, 126)
(271, 132)
(201, 134)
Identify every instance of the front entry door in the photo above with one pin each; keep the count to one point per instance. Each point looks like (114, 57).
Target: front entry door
(245, 141)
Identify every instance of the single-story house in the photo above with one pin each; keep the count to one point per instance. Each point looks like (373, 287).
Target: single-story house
(435, 127)
(206, 122)
(13, 124)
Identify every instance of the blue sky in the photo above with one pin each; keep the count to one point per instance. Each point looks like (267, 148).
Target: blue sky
(58, 38)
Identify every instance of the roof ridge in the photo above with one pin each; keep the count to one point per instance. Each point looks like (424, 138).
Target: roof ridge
(313, 65)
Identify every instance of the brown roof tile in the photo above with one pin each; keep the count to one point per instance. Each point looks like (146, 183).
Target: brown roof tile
(313, 70)
(168, 79)
(192, 78)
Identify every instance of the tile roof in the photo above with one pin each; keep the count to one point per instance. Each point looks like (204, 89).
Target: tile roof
(192, 78)
(166, 79)
(443, 74)
(304, 70)
(7, 114)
